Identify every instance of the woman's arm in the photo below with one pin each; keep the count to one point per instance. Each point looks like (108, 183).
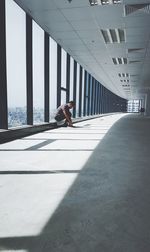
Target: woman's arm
(67, 118)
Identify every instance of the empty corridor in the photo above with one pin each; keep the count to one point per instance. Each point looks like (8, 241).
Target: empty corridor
(82, 189)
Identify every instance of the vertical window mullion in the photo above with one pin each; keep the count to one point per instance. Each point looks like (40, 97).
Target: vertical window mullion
(102, 100)
(83, 76)
(29, 60)
(46, 77)
(68, 77)
(84, 104)
(3, 78)
(95, 97)
(98, 98)
(106, 100)
(92, 94)
(91, 88)
(109, 107)
(88, 105)
(74, 86)
(80, 91)
(58, 75)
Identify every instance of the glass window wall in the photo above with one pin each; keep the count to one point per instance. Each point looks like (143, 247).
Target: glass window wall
(16, 64)
(77, 91)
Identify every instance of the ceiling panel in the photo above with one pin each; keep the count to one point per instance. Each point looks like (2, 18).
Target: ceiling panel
(63, 4)
(76, 26)
(94, 34)
(83, 24)
(37, 5)
(58, 26)
(137, 22)
(51, 16)
(77, 14)
(66, 35)
(137, 31)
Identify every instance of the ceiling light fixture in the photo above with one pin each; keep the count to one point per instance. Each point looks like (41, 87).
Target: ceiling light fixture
(93, 2)
(119, 61)
(116, 1)
(123, 75)
(104, 2)
(113, 35)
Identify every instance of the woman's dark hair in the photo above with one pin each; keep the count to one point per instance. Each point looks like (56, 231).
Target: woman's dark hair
(72, 103)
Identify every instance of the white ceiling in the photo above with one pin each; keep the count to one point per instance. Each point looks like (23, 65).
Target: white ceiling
(76, 27)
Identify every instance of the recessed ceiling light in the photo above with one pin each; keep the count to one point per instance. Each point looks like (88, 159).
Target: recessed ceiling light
(93, 2)
(110, 1)
(104, 2)
(116, 1)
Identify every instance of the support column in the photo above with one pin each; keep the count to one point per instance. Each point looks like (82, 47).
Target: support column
(3, 78)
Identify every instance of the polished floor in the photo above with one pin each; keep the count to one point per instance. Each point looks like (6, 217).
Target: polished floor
(82, 189)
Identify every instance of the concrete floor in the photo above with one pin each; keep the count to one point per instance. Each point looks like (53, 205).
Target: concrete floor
(83, 189)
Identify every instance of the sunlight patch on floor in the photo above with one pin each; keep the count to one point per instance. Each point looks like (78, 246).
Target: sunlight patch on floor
(19, 144)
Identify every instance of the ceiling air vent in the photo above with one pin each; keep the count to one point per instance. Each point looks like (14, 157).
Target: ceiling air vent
(134, 61)
(133, 75)
(113, 35)
(119, 61)
(130, 8)
(135, 50)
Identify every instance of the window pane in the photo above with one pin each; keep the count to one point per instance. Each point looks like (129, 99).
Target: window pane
(16, 64)
(63, 97)
(63, 68)
(38, 74)
(83, 75)
(133, 105)
(71, 78)
(87, 90)
(77, 91)
(90, 94)
(53, 78)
